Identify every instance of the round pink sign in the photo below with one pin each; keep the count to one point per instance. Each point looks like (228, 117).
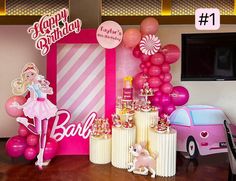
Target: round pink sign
(109, 34)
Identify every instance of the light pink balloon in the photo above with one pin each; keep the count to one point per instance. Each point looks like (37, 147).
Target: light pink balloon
(165, 67)
(154, 82)
(154, 70)
(166, 88)
(12, 111)
(171, 52)
(136, 52)
(30, 153)
(145, 58)
(139, 80)
(149, 26)
(131, 37)
(167, 77)
(23, 131)
(32, 140)
(157, 59)
(180, 95)
(50, 149)
(169, 108)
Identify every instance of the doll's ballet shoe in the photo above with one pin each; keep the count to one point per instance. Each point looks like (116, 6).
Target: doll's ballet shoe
(45, 163)
(23, 121)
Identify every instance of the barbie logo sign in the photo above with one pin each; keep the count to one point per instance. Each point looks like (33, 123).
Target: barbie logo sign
(50, 29)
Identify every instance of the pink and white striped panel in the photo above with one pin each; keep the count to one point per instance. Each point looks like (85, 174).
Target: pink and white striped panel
(81, 79)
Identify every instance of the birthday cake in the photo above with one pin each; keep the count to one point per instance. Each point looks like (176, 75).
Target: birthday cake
(100, 142)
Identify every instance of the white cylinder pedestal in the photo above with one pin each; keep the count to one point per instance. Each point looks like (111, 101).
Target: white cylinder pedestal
(122, 140)
(143, 121)
(100, 150)
(164, 145)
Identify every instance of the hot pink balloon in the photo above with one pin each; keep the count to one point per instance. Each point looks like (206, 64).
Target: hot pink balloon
(154, 70)
(167, 77)
(162, 76)
(145, 58)
(180, 95)
(169, 108)
(158, 94)
(136, 52)
(157, 59)
(148, 64)
(172, 53)
(30, 153)
(154, 82)
(145, 70)
(165, 68)
(16, 146)
(139, 80)
(50, 149)
(12, 111)
(32, 140)
(165, 100)
(166, 88)
(23, 131)
(149, 26)
(131, 37)
(142, 66)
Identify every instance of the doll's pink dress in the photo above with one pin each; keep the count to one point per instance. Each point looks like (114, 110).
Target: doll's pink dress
(39, 107)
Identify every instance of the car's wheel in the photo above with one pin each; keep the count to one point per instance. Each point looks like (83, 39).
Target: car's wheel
(192, 148)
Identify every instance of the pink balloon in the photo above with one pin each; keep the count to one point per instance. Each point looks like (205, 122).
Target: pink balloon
(167, 77)
(131, 37)
(50, 149)
(155, 100)
(165, 100)
(172, 53)
(169, 108)
(12, 111)
(32, 140)
(158, 94)
(30, 153)
(165, 68)
(180, 95)
(148, 64)
(139, 80)
(145, 70)
(149, 26)
(142, 66)
(136, 52)
(23, 131)
(166, 88)
(162, 76)
(154, 70)
(145, 58)
(16, 146)
(154, 82)
(158, 58)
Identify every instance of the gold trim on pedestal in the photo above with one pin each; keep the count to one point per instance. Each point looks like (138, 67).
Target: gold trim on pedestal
(165, 7)
(2, 7)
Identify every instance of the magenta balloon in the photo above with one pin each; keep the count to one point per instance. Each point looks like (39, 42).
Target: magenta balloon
(139, 80)
(142, 66)
(158, 94)
(180, 95)
(148, 64)
(16, 146)
(165, 68)
(50, 149)
(167, 77)
(165, 100)
(157, 59)
(145, 58)
(136, 52)
(149, 26)
(30, 153)
(155, 100)
(169, 108)
(23, 131)
(171, 52)
(32, 140)
(166, 88)
(162, 76)
(145, 70)
(131, 37)
(154, 70)
(154, 82)
(12, 111)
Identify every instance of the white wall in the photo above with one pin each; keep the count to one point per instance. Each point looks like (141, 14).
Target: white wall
(16, 49)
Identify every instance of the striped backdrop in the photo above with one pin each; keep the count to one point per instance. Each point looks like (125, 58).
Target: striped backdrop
(81, 79)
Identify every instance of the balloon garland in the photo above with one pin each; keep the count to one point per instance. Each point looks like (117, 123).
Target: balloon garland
(155, 66)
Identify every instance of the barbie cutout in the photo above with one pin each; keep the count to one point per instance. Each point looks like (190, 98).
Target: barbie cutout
(37, 107)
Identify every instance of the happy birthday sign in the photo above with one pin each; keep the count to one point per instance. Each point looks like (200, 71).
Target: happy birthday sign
(47, 30)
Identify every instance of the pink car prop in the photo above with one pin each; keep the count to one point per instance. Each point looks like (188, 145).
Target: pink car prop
(200, 130)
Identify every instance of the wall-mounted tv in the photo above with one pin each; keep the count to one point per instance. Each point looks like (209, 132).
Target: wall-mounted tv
(208, 57)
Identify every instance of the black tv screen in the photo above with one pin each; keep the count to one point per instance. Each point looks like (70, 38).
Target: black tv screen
(208, 56)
